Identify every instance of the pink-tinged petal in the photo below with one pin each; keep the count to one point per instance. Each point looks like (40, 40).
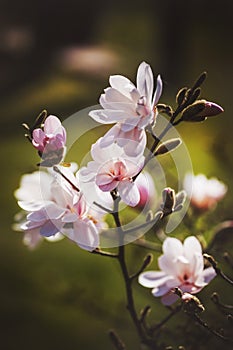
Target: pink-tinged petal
(145, 81)
(129, 193)
(38, 137)
(109, 186)
(169, 299)
(52, 125)
(158, 91)
(107, 116)
(49, 229)
(152, 279)
(85, 234)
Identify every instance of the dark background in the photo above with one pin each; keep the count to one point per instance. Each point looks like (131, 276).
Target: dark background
(58, 55)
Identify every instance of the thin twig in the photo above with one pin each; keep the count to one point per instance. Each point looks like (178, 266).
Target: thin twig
(104, 253)
(207, 327)
(102, 207)
(217, 269)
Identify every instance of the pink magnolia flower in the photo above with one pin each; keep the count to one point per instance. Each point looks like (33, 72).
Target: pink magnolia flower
(182, 266)
(112, 169)
(130, 106)
(50, 141)
(204, 193)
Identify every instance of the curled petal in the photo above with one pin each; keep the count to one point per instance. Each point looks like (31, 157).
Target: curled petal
(158, 91)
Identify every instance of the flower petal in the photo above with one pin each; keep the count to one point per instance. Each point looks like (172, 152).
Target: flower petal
(129, 193)
(107, 116)
(158, 91)
(151, 279)
(145, 81)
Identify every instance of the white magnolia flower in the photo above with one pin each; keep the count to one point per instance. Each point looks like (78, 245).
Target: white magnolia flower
(182, 266)
(34, 191)
(62, 210)
(131, 107)
(112, 169)
(204, 193)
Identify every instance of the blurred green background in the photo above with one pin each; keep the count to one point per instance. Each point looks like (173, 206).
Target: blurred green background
(58, 55)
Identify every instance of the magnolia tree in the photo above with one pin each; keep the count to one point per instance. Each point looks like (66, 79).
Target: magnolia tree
(66, 200)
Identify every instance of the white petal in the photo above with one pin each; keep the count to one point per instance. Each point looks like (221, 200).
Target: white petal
(191, 246)
(158, 91)
(172, 247)
(107, 116)
(52, 125)
(145, 81)
(129, 193)
(151, 279)
(122, 84)
(160, 290)
(208, 274)
(85, 234)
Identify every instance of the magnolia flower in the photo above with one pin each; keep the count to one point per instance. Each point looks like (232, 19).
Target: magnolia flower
(65, 211)
(182, 266)
(34, 191)
(128, 105)
(204, 193)
(112, 169)
(50, 141)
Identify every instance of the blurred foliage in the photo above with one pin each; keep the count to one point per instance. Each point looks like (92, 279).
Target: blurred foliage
(59, 296)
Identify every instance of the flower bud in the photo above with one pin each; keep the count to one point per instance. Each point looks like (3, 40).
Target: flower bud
(168, 146)
(168, 195)
(211, 109)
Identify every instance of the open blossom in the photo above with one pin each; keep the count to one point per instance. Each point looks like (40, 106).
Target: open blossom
(112, 169)
(65, 211)
(130, 106)
(50, 141)
(204, 193)
(34, 191)
(182, 266)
